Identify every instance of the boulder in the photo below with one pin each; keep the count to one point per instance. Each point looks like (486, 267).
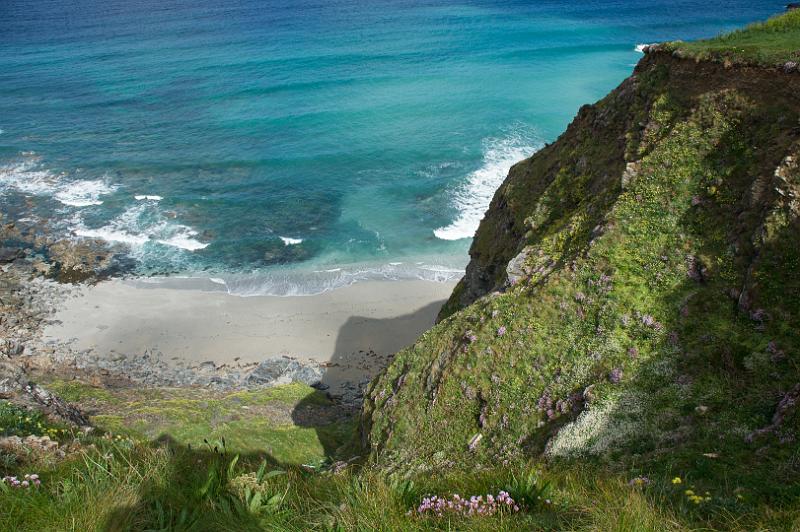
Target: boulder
(275, 371)
(8, 255)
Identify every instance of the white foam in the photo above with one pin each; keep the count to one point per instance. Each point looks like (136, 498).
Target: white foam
(83, 193)
(299, 281)
(473, 196)
(217, 280)
(184, 240)
(640, 47)
(147, 197)
(140, 225)
(109, 234)
(28, 177)
(288, 241)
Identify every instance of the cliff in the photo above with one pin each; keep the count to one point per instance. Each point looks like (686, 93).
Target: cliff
(633, 294)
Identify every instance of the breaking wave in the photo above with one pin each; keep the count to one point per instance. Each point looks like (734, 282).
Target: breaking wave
(303, 281)
(473, 196)
(28, 177)
(140, 226)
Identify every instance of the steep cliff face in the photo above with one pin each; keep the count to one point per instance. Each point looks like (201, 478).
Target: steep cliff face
(633, 293)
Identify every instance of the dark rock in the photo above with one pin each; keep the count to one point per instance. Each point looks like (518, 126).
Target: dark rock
(8, 255)
(274, 371)
(517, 270)
(15, 386)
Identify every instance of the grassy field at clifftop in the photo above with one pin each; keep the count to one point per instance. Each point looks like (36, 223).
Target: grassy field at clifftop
(622, 353)
(770, 43)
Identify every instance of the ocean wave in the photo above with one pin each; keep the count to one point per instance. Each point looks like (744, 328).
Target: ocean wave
(473, 196)
(83, 193)
(641, 47)
(28, 177)
(306, 282)
(140, 226)
(288, 241)
(147, 197)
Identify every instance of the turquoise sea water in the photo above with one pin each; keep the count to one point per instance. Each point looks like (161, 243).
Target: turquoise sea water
(285, 146)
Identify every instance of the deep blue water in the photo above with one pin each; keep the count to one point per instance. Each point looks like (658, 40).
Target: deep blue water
(292, 145)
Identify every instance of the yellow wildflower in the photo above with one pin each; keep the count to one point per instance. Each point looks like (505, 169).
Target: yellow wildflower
(676, 480)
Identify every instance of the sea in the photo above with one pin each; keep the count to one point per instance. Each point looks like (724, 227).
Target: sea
(290, 147)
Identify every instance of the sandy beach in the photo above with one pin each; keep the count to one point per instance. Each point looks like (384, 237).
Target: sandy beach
(352, 330)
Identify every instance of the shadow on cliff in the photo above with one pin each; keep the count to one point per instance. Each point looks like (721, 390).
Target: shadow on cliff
(364, 347)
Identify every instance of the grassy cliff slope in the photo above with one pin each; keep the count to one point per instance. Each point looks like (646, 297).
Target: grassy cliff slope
(633, 298)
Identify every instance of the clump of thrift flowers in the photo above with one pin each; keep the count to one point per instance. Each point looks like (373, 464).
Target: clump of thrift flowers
(477, 505)
(501, 331)
(29, 480)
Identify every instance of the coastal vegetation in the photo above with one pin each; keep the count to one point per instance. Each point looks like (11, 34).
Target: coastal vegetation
(622, 353)
(770, 43)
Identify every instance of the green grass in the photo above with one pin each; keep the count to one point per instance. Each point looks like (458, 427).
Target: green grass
(772, 42)
(250, 421)
(120, 484)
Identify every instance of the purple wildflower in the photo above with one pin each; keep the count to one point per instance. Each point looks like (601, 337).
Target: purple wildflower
(501, 331)
(27, 481)
(615, 376)
(475, 505)
(544, 403)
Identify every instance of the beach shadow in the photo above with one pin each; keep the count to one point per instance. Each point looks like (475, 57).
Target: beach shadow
(365, 346)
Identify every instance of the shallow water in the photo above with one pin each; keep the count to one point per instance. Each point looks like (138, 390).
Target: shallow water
(294, 146)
